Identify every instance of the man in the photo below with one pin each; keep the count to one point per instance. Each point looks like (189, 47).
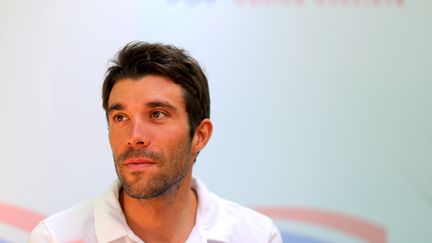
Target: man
(157, 105)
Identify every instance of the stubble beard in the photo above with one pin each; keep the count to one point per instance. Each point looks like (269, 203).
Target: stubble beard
(172, 170)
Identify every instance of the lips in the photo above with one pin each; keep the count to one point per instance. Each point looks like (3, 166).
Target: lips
(139, 163)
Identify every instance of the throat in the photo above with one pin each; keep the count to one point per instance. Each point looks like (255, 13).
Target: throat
(167, 218)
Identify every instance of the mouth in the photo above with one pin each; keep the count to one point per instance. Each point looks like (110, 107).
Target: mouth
(139, 164)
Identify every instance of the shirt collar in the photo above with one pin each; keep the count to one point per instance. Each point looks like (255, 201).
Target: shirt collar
(111, 225)
(211, 218)
(110, 222)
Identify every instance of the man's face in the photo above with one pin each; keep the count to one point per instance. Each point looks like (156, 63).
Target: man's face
(149, 135)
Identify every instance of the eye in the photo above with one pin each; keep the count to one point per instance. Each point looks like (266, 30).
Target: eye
(158, 114)
(119, 118)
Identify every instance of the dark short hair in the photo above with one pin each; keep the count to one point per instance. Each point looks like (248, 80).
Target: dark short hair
(137, 59)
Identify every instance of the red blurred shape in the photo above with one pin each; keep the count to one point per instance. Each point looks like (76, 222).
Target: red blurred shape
(19, 217)
(362, 229)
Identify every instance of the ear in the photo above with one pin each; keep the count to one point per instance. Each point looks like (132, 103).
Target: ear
(202, 135)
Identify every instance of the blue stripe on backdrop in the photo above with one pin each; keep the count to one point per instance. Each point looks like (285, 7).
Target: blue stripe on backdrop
(293, 238)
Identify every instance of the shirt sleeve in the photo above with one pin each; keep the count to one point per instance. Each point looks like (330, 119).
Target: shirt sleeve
(40, 234)
(275, 235)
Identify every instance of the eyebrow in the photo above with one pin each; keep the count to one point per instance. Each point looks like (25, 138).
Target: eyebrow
(115, 107)
(156, 104)
(153, 104)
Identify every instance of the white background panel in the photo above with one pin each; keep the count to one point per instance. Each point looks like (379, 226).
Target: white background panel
(324, 106)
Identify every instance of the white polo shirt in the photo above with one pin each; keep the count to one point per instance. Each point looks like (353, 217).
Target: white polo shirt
(102, 220)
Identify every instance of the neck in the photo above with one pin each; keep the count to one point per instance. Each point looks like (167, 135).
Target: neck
(169, 217)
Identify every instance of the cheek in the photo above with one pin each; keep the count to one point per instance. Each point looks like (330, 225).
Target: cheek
(114, 140)
(173, 139)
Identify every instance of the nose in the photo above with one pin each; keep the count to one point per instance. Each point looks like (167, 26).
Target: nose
(138, 136)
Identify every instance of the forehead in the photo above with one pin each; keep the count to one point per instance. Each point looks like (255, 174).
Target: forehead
(149, 88)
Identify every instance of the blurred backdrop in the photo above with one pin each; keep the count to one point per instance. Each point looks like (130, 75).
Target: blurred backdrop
(322, 108)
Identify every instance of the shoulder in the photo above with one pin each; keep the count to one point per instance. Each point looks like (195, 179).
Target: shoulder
(225, 219)
(65, 225)
(247, 223)
(240, 212)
